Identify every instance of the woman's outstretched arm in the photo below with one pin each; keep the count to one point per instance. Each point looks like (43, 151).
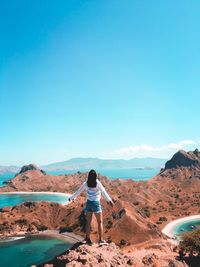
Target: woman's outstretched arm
(78, 192)
(104, 193)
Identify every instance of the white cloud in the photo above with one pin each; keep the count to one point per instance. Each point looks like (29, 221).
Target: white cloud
(148, 150)
(187, 142)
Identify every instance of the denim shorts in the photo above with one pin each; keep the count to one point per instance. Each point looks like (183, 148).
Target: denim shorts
(93, 206)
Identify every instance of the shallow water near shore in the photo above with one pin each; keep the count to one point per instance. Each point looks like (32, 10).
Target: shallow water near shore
(31, 250)
(186, 227)
(17, 198)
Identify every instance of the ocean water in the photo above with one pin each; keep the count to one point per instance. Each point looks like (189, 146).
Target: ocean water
(15, 198)
(5, 177)
(186, 227)
(132, 173)
(31, 250)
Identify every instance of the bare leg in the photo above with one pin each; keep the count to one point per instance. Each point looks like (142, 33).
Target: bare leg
(88, 224)
(100, 224)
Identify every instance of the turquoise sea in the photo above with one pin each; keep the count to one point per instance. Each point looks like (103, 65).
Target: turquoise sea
(15, 198)
(132, 173)
(5, 177)
(186, 227)
(31, 250)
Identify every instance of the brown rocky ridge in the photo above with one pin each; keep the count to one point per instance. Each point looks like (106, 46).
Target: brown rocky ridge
(141, 210)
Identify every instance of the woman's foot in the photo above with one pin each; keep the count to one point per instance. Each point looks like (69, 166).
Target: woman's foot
(87, 241)
(102, 242)
(84, 240)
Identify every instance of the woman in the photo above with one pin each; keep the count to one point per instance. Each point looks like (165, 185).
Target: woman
(94, 189)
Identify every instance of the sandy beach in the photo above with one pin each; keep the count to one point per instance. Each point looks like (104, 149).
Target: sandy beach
(169, 228)
(71, 237)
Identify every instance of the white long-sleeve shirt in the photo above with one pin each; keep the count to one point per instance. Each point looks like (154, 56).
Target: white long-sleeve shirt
(93, 193)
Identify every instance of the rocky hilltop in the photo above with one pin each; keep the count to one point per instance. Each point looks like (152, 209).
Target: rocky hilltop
(31, 167)
(141, 210)
(184, 159)
(111, 255)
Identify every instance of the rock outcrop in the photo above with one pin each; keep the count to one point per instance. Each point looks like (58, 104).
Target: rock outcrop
(84, 255)
(110, 255)
(184, 159)
(30, 167)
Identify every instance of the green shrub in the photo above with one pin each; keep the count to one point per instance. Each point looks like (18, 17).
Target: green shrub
(122, 242)
(190, 242)
(21, 221)
(40, 227)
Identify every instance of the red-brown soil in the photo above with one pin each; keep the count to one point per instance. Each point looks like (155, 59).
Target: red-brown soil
(111, 255)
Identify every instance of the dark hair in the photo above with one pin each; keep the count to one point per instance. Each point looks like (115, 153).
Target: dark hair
(92, 179)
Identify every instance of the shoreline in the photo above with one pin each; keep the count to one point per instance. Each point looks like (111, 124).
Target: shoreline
(168, 230)
(41, 192)
(67, 236)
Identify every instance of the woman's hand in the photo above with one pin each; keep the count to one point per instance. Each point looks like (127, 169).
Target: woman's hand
(111, 203)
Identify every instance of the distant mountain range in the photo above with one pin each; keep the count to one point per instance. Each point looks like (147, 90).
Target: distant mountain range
(9, 169)
(96, 163)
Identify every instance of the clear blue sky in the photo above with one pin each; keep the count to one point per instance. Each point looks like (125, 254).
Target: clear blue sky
(105, 78)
